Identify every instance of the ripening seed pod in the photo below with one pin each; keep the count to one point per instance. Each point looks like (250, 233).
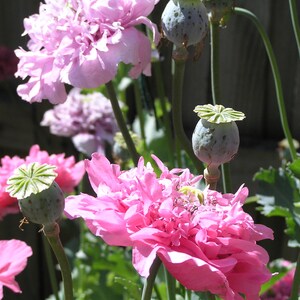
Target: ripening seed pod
(216, 136)
(184, 22)
(40, 198)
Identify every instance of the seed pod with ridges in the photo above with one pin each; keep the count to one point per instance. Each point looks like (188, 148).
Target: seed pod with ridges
(184, 22)
(40, 198)
(216, 136)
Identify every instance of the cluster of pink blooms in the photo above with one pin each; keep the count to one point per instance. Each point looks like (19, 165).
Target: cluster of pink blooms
(69, 174)
(282, 289)
(88, 119)
(13, 260)
(8, 63)
(207, 243)
(81, 43)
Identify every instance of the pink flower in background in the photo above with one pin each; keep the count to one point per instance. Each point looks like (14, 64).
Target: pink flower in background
(88, 119)
(8, 63)
(69, 175)
(282, 289)
(81, 43)
(208, 243)
(13, 260)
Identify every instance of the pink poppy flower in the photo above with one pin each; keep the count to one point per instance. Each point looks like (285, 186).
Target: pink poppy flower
(13, 260)
(282, 289)
(69, 174)
(81, 43)
(205, 239)
(88, 119)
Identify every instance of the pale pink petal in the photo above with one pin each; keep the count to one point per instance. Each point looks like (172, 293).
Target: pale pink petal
(13, 260)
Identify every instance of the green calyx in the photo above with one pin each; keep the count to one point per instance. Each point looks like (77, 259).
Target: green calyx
(218, 114)
(219, 10)
(30, 179)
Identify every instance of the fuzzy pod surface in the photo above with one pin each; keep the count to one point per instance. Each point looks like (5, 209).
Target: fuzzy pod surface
(184, 22)
(45, 207)
(215, 144)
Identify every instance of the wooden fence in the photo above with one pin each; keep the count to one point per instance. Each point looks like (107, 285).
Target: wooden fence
(246, 85)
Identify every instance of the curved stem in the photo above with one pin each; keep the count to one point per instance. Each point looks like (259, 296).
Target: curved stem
(215, 88)
(171, 285)
(178, 76)
(295, 22)
(51, 269)
(296, 282)
(276, 75)
(121, 122)
(52, 234)
(149, 283)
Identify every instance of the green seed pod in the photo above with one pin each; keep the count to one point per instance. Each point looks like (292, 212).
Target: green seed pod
(216, 136)
(184, 22)
(40, 198)
(45, 207)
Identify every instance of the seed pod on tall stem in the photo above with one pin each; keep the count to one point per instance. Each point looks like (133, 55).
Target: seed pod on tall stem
(216, 138)
(42, 202)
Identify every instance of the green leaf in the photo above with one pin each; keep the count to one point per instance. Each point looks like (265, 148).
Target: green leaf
(295, 167)
(278, 195)
(130, 287)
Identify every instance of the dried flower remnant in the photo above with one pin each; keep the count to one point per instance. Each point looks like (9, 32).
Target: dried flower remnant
(8, 63)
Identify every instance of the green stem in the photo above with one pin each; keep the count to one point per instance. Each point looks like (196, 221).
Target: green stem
(296, 282)
(149, 283)
(177, 91)
(215, 88)
(52, 234)
(295, 22)
(166, 119)
(215, 61)
(226, 178)
(121, 122)
(51, 269)
(276, 75)
(171, 285)
(139, 109)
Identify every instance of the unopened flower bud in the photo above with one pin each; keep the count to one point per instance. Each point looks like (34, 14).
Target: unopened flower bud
(40, 198)
(184, 22)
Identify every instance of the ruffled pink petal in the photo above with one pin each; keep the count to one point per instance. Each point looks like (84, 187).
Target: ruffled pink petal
(13, 260)
(107, 175)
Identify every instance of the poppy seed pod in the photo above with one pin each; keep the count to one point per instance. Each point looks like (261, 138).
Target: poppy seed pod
(184, 22)
(45, 207)
(40, 198)
(215, 144)
(216, 136)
